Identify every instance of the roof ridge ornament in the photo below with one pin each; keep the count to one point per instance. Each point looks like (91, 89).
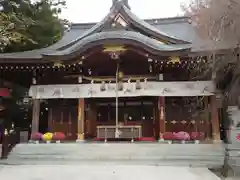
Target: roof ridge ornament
(122, 2)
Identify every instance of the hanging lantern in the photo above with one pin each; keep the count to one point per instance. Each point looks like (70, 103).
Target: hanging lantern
(103, 86)
(80, 79)
(120, 86)
(34, 81)
(90, 91)
(128, 89)
(89, 72)
(138, 85)
(120, 75)
(150, 68)
(160, 77)
(145, 83)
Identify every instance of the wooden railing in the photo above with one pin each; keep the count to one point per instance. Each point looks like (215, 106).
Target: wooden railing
(9, 141)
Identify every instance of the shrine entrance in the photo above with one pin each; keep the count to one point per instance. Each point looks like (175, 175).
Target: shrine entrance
(62, 117)
(135, 112)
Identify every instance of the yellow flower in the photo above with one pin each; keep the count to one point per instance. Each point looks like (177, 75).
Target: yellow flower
(47, 136)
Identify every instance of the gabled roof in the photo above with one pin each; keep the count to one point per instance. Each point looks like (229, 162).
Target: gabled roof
(177, 34)
(120, 36)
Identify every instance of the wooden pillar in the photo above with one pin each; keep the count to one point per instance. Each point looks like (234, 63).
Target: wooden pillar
(50, 119)
(92, 119)
(81, 119)
(207, 125)
(161, 110)
(35, 115)
(215, 119)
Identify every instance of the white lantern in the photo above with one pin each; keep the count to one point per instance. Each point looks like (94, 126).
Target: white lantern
(160, 77)
(79, 79)
(34, 81)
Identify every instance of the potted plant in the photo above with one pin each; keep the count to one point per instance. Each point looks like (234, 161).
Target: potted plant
(58, 137)
(197, 136)
(168, 136)
(47, 137)
(36, 137)
(182, 136)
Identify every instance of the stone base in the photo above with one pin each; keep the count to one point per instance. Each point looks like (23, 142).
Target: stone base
(80, 141)
(233, 160)
(217, 141)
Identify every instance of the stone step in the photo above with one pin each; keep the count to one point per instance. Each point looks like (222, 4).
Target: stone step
(128, 153)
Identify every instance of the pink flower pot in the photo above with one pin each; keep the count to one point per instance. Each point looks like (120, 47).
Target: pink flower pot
(197, 136)
(182, 136)
(36, 136)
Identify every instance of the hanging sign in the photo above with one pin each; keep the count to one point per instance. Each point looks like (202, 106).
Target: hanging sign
(114, 49)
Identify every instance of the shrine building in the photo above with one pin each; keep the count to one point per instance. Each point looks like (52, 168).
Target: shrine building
(123, 77)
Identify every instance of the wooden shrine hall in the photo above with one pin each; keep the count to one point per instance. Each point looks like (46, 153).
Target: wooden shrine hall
(123, 77)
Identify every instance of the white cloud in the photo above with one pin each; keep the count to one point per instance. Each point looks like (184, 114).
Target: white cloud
(95, 10)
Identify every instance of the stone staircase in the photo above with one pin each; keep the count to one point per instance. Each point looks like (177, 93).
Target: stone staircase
(197, 155)
(233, 158)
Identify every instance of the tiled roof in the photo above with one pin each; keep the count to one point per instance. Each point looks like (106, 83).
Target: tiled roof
(178, 31)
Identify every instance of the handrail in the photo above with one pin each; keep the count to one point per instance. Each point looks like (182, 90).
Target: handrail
(9, 141)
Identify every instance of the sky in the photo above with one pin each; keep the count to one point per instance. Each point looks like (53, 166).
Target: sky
(82, 11)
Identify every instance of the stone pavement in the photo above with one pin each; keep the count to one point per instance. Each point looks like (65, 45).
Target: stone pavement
(104, 172)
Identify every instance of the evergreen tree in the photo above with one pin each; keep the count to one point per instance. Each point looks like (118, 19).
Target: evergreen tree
(27, 25)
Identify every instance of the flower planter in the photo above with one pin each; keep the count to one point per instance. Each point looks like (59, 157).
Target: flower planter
(58, 137)
(168, 136)
(182, 136)
(197, 136)
(36, 137)
(47, 137)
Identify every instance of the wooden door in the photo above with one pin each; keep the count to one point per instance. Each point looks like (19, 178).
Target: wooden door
(64, 119)
(90, 121)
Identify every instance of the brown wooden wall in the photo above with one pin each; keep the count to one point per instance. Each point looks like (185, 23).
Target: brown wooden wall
(180, 117)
